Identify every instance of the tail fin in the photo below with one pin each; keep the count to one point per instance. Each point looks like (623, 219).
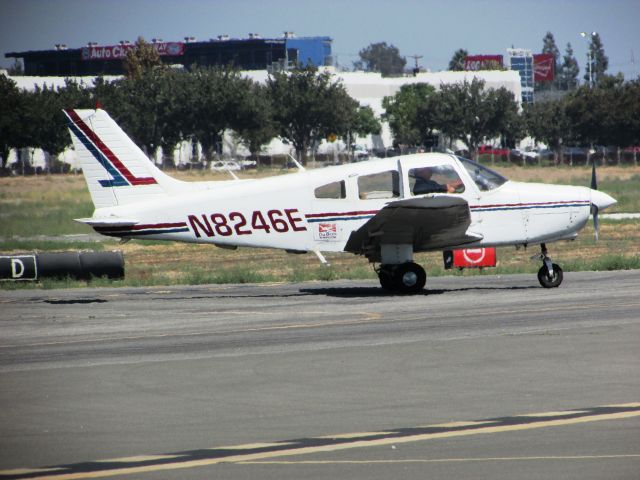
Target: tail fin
(117, 172)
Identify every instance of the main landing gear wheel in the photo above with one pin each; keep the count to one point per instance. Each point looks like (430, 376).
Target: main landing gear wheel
(407, 278)
(547, 280)
(386, 280)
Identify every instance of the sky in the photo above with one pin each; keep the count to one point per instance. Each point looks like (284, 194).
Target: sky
(434, 29)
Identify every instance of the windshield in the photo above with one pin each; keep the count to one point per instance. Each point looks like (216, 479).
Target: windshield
(485, 178)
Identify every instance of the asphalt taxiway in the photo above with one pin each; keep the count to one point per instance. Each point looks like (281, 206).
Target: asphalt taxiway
(480, 377)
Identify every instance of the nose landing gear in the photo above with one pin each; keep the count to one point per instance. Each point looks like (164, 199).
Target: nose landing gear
(550, 274)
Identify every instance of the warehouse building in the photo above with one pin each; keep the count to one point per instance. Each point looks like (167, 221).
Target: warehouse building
(252, 53)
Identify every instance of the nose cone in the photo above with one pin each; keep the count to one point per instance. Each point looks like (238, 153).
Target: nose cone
(602, 200)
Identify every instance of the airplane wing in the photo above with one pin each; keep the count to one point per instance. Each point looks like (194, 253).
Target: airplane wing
(428, 223)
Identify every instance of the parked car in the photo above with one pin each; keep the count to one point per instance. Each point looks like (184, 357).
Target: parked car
(490, 150)
(575, 151)
(244, 164)
(528, 155)
(360, 153)
(224, 165)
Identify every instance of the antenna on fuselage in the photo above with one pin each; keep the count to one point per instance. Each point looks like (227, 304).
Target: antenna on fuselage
(297, 163)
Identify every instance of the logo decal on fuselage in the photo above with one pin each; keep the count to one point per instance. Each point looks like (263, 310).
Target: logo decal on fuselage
(121, 176)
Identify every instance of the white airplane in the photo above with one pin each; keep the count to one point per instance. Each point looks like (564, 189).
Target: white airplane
(385, 209)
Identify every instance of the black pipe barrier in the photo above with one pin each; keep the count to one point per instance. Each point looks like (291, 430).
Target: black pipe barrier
(77, 265)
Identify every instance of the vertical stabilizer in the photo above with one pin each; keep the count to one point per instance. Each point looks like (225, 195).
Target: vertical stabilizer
(116, 170)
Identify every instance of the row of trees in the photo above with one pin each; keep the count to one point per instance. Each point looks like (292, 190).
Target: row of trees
(608, 115)
(462, 111)
(159, 108)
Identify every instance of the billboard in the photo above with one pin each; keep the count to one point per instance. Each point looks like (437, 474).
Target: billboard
(543, 67)
(118, 52)
(482, 62)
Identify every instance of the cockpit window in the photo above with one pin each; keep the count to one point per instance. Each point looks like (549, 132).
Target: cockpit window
(485, 178)
(331, 190)
(435, 179)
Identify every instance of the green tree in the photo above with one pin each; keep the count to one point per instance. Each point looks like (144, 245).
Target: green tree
(210, 108)
(383, 58)
(567, 75)
(585, 112)
(47, 123)
(410, 114)
(141, 59)
(253, 116)
(599, 61)
(547, 122)
(457, 61)
(148, 109)
(549, 47)
(363, 123)
(471, 114)
(12, 119)
(309, 107)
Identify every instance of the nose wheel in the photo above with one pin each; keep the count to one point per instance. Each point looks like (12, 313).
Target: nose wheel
(407, 278)
(550, 274)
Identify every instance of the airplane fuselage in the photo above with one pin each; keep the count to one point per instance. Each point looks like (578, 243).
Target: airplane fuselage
(285, 211)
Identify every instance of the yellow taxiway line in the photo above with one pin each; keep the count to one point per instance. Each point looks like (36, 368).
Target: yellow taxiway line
(261, 452)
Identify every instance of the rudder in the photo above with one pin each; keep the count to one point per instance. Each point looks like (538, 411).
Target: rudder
(116, 170)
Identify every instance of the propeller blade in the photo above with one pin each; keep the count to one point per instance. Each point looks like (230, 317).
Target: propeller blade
(594, 207)
(596, 223)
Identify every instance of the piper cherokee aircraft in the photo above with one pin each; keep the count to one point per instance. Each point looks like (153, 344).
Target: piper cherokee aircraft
(384, 209)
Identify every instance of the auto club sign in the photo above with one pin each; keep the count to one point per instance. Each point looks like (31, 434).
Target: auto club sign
(482, 62)
(118, 52)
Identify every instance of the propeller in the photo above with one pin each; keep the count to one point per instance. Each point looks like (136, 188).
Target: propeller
(594, 207)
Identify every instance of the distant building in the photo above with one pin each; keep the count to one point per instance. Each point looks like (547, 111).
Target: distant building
(253, 53)
(521, 61)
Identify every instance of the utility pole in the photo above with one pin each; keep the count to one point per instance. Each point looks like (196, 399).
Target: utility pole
(416, 69)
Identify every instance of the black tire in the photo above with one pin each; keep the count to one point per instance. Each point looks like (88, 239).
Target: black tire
(410, 278)
(550, 281)
(387, 282)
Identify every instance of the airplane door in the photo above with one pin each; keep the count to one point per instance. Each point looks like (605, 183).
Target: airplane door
(331, 216)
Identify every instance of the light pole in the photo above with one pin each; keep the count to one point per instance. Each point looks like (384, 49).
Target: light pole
(589, 58)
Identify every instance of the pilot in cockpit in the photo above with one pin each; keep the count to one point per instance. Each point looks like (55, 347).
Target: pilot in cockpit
(425, 184)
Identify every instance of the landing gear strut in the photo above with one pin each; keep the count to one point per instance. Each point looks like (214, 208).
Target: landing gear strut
(407, 278)
(550, 274)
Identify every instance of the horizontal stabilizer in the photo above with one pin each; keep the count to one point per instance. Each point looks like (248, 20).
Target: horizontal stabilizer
(108, 221)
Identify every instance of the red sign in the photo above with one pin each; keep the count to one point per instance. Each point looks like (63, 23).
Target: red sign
(543, 67)
(482, 62)
(117, 52)
(474, 257)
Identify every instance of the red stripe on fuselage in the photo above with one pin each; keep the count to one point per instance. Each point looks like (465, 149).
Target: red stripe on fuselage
(341, 214)
(129, 228)
(564, 202)
(115, 161)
